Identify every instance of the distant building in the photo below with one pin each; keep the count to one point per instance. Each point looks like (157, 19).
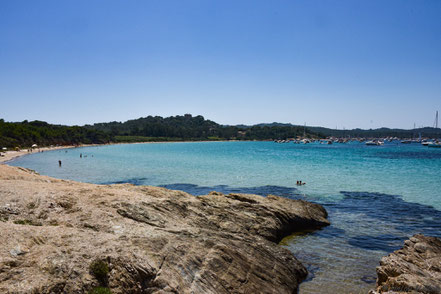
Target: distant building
(187, 115)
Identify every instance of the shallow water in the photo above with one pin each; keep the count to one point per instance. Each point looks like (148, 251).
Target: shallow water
(376, 196)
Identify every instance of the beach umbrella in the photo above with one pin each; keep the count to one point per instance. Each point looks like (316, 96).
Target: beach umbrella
(34, 145)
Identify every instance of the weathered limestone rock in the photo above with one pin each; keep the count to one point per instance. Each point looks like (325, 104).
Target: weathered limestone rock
(416, 268)
(148, 239)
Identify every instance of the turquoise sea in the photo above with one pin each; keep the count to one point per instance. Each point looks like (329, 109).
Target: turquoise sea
(376, 196)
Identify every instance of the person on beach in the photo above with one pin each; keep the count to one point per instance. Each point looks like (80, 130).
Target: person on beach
(59, 163)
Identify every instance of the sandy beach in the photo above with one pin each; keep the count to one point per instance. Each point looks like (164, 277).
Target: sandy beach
(11, 154)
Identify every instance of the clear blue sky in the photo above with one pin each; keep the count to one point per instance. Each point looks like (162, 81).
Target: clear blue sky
(330, 63)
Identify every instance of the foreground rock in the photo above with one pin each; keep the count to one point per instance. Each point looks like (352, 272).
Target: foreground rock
(66, 237)
(414, 269)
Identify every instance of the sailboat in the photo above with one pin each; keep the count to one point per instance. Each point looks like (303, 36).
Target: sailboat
(435, 144)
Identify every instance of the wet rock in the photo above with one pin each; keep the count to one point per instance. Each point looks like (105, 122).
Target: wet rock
(416, 268)
(148, 239)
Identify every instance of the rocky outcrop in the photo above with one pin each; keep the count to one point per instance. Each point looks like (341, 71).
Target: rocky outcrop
(416, 268)
(61, 236)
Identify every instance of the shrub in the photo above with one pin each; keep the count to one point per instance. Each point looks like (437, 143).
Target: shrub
(27, 222)
(100, 290)
(99, 269)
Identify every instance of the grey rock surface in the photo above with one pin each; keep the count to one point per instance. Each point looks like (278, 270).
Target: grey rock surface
(151, 240)
(416, 268)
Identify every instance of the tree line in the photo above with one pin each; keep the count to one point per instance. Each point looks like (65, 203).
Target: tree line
(175, 128)
(151, 128)
(25, 134)
(188, 127)
(379, 133)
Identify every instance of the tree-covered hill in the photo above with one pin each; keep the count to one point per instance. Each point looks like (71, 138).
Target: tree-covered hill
(176, 128)
(185, 127)
(379, 133)
(360, 133)
(24, 134)
(151, 128)
(188, 127)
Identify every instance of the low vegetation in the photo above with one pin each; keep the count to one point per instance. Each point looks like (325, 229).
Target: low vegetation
(135, 139)
(27, 222)
(100, 290)
(100, 270)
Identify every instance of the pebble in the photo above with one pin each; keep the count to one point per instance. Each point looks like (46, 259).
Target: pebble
(17, 251)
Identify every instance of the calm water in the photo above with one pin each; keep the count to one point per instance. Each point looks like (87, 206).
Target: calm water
(376, 196)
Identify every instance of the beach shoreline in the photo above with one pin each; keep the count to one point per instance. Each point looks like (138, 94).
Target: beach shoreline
(11, 155)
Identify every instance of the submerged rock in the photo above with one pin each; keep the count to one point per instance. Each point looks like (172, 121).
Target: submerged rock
(416, 268)
(139, 239)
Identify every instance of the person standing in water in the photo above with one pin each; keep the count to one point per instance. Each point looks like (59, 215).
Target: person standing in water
(59, 163)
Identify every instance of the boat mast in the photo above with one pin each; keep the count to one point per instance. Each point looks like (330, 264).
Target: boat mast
(414, 127)
(304, 131)
(436, 120)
